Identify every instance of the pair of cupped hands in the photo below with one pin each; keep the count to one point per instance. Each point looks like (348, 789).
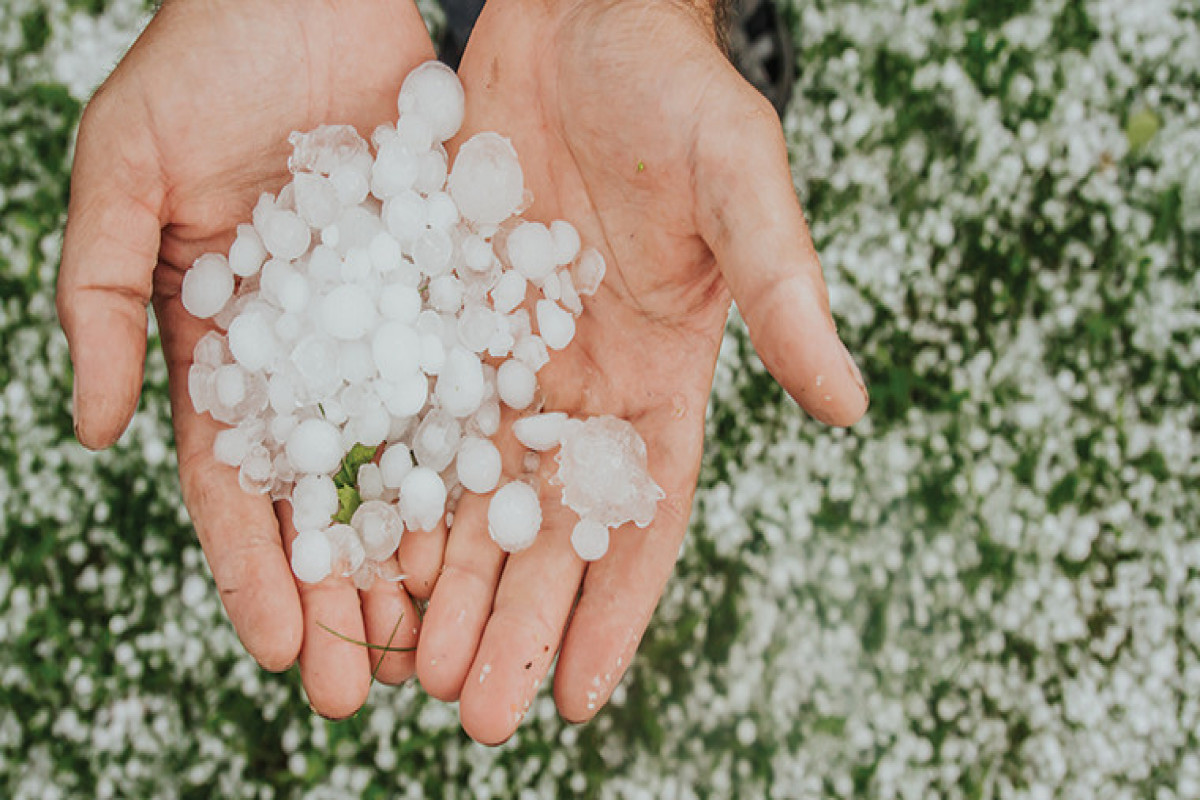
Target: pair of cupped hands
(630, 123)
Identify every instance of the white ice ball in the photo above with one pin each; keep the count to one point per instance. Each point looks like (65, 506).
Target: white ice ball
(314, 446)
(379, 527)
(540, 431)
(516, 384)
(314, 501)
(566, 241)
(207, 286)
(514, 516)
(531, 251)
(556, 326)
(252, 341)
(312, 556)
(460, 383)
(395, 464)
(347, 312)
(590, 539)
(422, 499)
(247, 253)
(434, 91)
(486, 180)
(478, 465)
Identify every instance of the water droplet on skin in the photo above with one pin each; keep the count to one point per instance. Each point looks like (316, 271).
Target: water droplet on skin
(820, 380)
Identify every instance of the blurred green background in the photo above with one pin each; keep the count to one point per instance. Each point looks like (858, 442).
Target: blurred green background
(990, 588)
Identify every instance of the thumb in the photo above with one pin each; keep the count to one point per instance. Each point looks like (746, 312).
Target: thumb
(749, 216)
(110, 249)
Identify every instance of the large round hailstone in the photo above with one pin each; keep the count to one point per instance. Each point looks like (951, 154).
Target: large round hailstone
(556, 326)
(396, 349)
(252, 341)
(514, 516)
(460, 383)
(478, 465)
(531, 250)
(590, 539)
(434, 91)
(395, 464)
(314, 446)
(422, 499)
(379, 527)
(207, 286)
(486, 181)
(312, 557)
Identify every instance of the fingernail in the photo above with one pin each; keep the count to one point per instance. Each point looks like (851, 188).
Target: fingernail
(855, 372)
(75, 406)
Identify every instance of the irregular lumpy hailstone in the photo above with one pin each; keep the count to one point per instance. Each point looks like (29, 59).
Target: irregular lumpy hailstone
(386, 300)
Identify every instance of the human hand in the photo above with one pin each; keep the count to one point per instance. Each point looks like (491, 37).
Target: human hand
(173, 152)
(632, 125)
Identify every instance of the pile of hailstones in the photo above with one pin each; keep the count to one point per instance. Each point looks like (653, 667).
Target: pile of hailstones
(374, 298)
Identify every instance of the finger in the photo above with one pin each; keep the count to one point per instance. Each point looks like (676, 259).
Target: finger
(239, 532)
(110, 250)
(420, 555)
(622, 589)
(390, 620)
(537, 589)
(461, 601)
(335, 671)
(749, 215)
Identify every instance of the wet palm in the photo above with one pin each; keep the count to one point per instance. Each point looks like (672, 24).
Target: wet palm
(632, 125)
(172, 153)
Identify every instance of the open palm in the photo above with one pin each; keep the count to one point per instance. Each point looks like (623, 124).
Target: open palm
(631, 124)
(172, 153)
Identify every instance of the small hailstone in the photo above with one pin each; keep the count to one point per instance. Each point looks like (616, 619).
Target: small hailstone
(514, 516)
(370, 482)
(434, 91)
(356, 364)
(314, 446)
(200, 387)
(431, 176)
(476, 252)
(315, 359)
(247, 253)
(395, 169)
(316, 200)
(230, 384)
(347, 312)
(384, 252)
(556, 326)
(566, 241)
(312, 556)
(476, 326)
(407, 396)
(532, 351)
(540, 432)
(231, 446)
(441, 211)
(590, 539)
(531, 251)
(422, 499)
(346, 548)
(396, 348)
(433, 354)
(285, 235)
(460, 383)
(509, 291)
(446, 294)
(588, 271)
(436, 440)
(516, 384)
(325, 148)
(395, 464)
(478, 465)
(351, 183)
(400, 302)
(252, 341)
(280, 428)
(487, 418)
(552, 287)
(379, 527)
(257, 472)
(432, 252)
(569, 297)
(404, 217)
(207, 286)
(414, 132)
(487, 182)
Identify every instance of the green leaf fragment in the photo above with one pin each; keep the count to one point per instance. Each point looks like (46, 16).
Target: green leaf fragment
(348, 502)
(1141, 128)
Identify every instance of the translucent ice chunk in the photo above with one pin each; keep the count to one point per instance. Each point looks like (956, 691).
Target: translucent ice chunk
(404, 216)
(284, 234)
(486, 181)
(531, 251)
(509, 291)
(379, 527)
(325, 148)
(257, 472)
(370, 482)
(396, 349)
(314, 501)
(566, 241)
(395, 464)
(316, 200)
(588, 271)
(347, 553)
(436, 440)
(247, 253)
(514, 516)
(602, 469)
(395, 169)
(252, 341)
(347, 312)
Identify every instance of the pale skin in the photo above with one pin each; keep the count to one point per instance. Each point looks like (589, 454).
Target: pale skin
(631, 124)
